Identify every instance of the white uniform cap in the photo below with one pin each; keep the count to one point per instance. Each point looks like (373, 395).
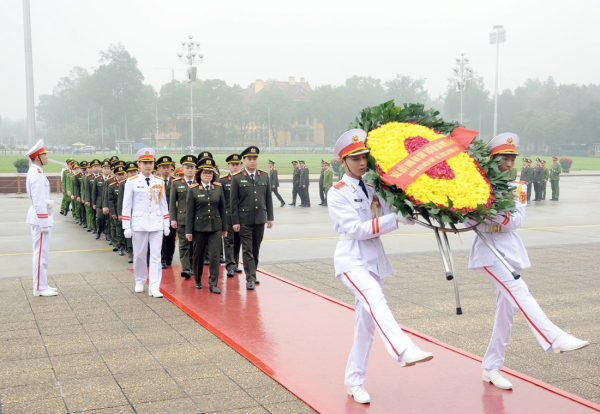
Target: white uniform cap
(505, 143)
(351, 143)
(145, 154)
(36, 150)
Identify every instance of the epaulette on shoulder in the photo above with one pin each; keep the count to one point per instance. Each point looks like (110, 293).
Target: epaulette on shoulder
(112, 183)
(223, 175)
(339, 185)
(39, 171)
(266, 172)
(194, 185)
(133, 177)
(218, 183)
(237, 172)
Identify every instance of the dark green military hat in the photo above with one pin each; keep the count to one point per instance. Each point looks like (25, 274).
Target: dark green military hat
(164, 160)
(251, 151)
(117, 163)
(131, 166)
(114, 158)
(106, 163)
(206, 163)
(189, 160)
(119, 169)
(94, 162)
(204, 154)
(234, 159)
(84, 164)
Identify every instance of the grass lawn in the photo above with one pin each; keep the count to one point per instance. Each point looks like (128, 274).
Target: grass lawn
(282, 161)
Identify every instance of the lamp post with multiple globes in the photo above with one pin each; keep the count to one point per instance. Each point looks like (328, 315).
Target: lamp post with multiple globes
(190, 54)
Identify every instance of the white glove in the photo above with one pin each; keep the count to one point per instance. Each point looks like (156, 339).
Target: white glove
(45, 230)
(49, 206)
(127, 233)
(167, 231)
(404, 220)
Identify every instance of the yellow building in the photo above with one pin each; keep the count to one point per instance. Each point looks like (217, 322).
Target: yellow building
(303, 132)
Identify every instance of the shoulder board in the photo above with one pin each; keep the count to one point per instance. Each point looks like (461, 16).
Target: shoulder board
(339, 185)
(217, 183)
(224, 176)
(520, 182)
(266, 172)
(131, 178)
(236, 173)
(194, 185)
(113, 183)
(274, 169)
(370, 185)
(39, 171)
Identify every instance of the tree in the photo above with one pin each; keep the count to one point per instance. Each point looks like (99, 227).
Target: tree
(404, 89)
(274, 110)
(476, 105)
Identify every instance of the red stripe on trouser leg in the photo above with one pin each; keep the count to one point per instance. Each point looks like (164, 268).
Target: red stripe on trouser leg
(39, 260)
(519, 306)
(372, 315)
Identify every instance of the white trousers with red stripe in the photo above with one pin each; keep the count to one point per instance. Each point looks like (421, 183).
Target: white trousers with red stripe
(371, 312)
(140, 241)
(41, 254)
(514, 295)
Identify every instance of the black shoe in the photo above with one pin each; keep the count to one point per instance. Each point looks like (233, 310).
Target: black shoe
(257, 282)
(237, 270)
(301, 205)
(250, 286)
(186, 274)
(110, 243)
(121, 252)
(199, 285)
(62, 212)
(214, 289)
(293, 204)
(164, 265)
(108, 238)
(115, 249)
(88, 230)
(307, 205)
(206, 262)
(168, 264)
(324, 205)
(97, 235)
(230, 273)
(191, 272)
(282, 205)
(222, 261)
(130, 260)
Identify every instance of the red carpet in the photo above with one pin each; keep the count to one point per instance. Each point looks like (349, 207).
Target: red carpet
(302, 339)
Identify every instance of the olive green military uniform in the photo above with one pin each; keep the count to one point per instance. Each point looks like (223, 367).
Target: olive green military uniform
(232, 241)
(274, 178)
(296, 185)
(527, 176)
(97, 196)
(555, 171)
(321, 188)
(304, 184)
(90, 183)
(112, 196)
(168, 244)
(66, 200)
(128, 241)
(538, 174)
(327, 182)
(177, 212)
(251, 208)
(206, 219)
(77, 193)
(545, 179)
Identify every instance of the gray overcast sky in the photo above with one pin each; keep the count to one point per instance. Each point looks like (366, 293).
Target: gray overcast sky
(323, 41)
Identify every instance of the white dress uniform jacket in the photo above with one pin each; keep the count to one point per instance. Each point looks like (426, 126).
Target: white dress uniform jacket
(151, 212)
(360, 221)
(508, 243)
(38, 190)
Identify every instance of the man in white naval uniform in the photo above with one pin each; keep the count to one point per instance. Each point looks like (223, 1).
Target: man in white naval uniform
(360, 217)
(40, 217)
(512, 294)
(145, 220)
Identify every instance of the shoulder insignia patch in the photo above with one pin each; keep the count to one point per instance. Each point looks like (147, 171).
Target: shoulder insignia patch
(339, 185)
(40, 171)
(113, 183)
(523, 197)
(194, 185)
(133, 177)
(217, 183)
(236, 173)
(266, 172)
(223, 175)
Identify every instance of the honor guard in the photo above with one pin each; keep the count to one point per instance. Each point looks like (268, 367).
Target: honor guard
(164, 165)
(177, 211)
(40, 218)
(295, 183)
(273, 177)
(512, 294)
(232, 241)
(304, 184)
(555, 171)
(131, 170)
(206, 221)
(251, 208)
(146, 220)
(112, 196)
(360, 217)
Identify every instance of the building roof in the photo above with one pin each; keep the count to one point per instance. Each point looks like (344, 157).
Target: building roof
(299, 91)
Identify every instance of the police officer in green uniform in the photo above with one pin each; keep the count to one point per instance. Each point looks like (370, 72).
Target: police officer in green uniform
(177, 211)
(251, 208)
(545, 179)
(555, 171)
(206, 221)
(274, 178)
(327, 179)
(527, 175)
(97, 194)
(131, 169)
(232, 241)
(304, 184)
(75, 195)
(538, 175)
(321, 178)
(112, 223)
(90, 183)
(164, 165)
(112, 197)
(295, 183)
(79, 189)
(66, 200)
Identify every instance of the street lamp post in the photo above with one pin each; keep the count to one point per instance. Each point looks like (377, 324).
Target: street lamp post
(496, 37)
(462, 78)
(29, 75)
(190, 54)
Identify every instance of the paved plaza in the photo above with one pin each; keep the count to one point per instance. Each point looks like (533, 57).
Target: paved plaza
(99, 347)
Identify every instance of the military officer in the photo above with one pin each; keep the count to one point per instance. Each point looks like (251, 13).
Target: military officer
(545, 179)
(66, 200)
(538, 175)
(327, 179)
(112, 196)
(206, 221)
(112, 223)
(146, 220)
(90, 183)
(205, 154)
(97, 196)
(79, 189)
(321, 178)
(40, 218)
(512, 294)
(555, 171)
(304, 184)
(232, 241)
(273, 177)
(131, 169)
(75, 196)
(527, 175)
(251, 208)
(177, 211)
(164, 164)
(295, 183)
(361, 263)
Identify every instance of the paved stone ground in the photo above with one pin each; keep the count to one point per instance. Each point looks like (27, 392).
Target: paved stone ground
(564, 280)
(98, 347)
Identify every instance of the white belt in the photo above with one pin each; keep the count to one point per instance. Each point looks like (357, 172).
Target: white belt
(493, 228)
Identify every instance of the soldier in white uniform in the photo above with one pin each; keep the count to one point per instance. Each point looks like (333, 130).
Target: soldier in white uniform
(40, 217)
(360, 217)
(145, 220)
(512, 294)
